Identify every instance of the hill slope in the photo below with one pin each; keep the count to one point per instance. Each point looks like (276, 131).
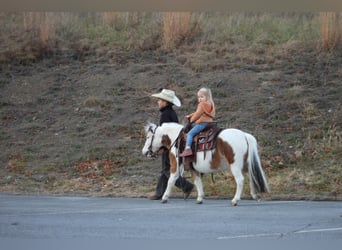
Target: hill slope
(74, 126)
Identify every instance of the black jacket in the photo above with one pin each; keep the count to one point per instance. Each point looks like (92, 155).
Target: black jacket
(168, 115)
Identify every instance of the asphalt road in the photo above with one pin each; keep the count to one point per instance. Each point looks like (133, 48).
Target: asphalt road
(50, 217)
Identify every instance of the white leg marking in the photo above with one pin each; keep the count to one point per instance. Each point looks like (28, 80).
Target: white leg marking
(239, 179)
(199, 186)
(170, 185)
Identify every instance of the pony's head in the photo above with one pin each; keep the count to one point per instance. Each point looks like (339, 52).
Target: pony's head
(160, 136)
(153, 140)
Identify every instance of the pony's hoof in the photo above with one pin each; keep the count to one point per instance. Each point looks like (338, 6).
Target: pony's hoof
(163, 201)
(199, 202)
(233, 203)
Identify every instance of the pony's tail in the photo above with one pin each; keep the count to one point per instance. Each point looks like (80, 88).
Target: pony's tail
(257, 177)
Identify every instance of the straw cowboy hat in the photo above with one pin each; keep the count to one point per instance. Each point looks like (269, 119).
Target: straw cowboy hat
(168, 95)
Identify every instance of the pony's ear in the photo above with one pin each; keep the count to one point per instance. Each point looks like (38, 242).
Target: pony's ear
(149, 126)
(150, 123)
(146, 128)
(166, 141)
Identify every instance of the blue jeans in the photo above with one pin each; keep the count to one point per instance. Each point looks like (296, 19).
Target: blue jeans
(194, 131)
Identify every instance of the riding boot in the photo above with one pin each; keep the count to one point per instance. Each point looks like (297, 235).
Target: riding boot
(185, 185)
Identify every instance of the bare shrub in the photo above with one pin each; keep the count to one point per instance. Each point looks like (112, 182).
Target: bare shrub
(178, 26)
(41, 25)
(47, 29)
(331, 30)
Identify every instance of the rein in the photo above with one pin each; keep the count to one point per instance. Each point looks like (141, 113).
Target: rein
(179, 135)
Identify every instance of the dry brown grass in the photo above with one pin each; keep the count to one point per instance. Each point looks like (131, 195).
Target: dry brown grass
(331, 30)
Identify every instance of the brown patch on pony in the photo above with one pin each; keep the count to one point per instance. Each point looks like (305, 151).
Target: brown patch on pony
(173, 163)
(222, 148)
(166, 141)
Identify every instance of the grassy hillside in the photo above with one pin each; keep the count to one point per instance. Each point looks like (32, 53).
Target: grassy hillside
(75, 94)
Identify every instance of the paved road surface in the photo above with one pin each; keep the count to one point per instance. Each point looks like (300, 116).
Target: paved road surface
(48, 217)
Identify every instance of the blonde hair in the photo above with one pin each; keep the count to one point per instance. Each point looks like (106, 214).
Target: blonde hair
(207, 93)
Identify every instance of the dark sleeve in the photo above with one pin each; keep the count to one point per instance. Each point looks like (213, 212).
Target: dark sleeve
(168, 116)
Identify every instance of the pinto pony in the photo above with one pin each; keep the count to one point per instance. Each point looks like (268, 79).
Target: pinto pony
(234, 148)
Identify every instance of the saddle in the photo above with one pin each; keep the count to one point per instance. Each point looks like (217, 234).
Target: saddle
(206, 139)
(203, 141)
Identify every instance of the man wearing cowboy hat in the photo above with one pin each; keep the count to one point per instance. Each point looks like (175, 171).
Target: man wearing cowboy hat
(166, 99)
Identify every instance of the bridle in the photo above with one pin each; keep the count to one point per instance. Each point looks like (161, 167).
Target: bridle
(150, 153)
